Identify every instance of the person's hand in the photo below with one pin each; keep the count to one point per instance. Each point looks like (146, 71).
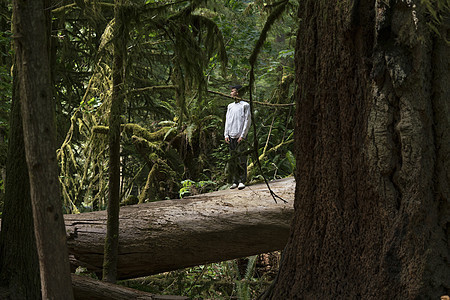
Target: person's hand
(240, 140)
(227, 140)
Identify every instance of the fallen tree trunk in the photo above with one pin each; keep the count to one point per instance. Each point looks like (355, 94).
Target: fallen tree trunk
(88, 288)
(168, 235)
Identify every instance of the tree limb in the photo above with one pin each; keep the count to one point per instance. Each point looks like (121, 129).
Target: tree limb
(256, 102)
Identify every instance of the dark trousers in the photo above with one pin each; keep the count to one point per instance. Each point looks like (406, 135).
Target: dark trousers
(237, 165)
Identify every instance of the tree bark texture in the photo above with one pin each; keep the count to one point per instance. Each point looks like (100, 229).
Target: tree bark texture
(31, 26)
(372, 146)
(88, 288)
(172, 234)
(19, 266)
(112, 235)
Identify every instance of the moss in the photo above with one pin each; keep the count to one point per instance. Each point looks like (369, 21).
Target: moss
(144, 133)
(139, 131)
(100, 129)
(146, 192)
(144, 146)
(130, 200)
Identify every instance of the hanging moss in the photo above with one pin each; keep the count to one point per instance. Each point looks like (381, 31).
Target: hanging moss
(144, 146)
(146, 192)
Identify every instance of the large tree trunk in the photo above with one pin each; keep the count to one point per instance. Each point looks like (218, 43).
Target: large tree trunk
(168, 235)
(19, 266)
(372, 139)
(31, 26)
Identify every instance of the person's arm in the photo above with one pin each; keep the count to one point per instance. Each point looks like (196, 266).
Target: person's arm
(227, 126)
(247, 122)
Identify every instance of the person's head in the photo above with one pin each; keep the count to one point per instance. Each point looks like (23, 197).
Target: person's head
(235, 90)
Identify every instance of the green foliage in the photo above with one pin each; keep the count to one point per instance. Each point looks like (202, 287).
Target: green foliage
(189, 187)
(212, 281)
(91, 104)
(82, 271)
(221, 155)
(173, 129)
(438, 14)
(186, 188)
(5, 81)
(243, 287)
(170, 43)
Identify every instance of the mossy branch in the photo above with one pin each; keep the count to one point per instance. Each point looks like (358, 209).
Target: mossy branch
(145, 194)
(159, 167)
(136, 130)
(144, 146)
(153, 88)
(264, 154)
(62, 9)
(100, 129)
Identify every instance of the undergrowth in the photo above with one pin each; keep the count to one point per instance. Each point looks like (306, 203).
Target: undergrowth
(241, 279)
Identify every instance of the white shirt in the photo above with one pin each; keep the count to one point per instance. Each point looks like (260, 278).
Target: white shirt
(238, 120)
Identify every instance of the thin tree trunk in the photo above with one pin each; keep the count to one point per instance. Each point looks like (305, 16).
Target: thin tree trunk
(31, 36)
(372, 139)
(117, 98)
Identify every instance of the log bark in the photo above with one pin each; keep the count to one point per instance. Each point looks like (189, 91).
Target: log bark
(88, 288)
(168, 235)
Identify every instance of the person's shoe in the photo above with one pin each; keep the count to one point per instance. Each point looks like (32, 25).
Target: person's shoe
(241, 186)
(233, 186)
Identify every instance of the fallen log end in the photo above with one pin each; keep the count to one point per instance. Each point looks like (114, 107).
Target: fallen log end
(89, 288)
